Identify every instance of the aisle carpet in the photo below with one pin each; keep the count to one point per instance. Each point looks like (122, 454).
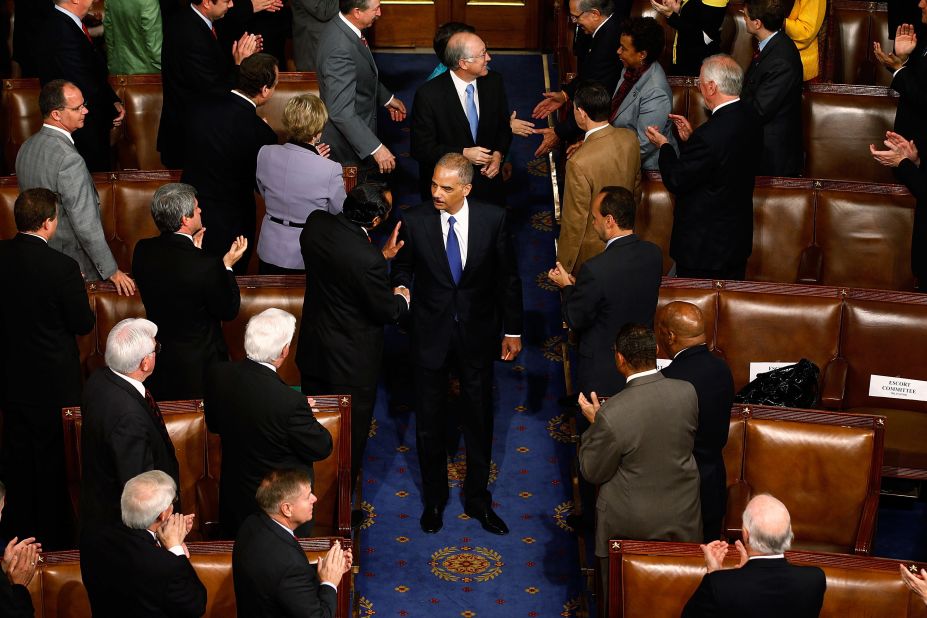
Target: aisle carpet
(463, 570)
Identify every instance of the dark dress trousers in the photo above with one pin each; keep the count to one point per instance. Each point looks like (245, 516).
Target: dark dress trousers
(712, 180)
(772, 89)
(64, 52)
(15, 600)
(120, 439)
(616, 287)
(264, 425)
(126, 573)
(762, 588)
(188, 294)
(714, 386)
(440, 126)
(348, 301)
(273, 577)
(223, 137)
(193, 64)
(915, 179)
(458, 325)
(40, 368)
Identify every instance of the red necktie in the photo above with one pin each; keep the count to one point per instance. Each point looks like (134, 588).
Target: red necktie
(364, 41)
(83, 27)
(212, 29)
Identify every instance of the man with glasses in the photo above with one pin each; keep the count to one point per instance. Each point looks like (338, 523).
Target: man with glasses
(464, 110)
(49, 160)
(123, 433)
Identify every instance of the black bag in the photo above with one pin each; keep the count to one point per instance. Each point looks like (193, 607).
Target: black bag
(793, 386)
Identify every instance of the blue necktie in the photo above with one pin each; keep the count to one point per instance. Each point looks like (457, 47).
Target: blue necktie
(472, 117)
(453, 252)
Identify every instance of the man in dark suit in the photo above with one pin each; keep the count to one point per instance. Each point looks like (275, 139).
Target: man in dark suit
(66, 51)
(272, 575)
(764, 583)
(141, 566)
(193, 65)
(28, 17)
(599, 34)
(459, 255)
(772, 88)
(123, 433)
(186, 291)
(350, 87)
(18, 568)
(264, 424)
(270, 19)
(618, 286)
(680, 331)
(38, 325)
(223, 137)
(712, 178)
(464, 110)
(348, 301)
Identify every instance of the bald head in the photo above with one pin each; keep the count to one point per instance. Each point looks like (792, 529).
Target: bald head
(679, 325)
(767, 526)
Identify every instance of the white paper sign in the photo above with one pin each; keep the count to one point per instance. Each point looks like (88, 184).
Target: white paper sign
(894, 387)
(663, 363)
(758, 368)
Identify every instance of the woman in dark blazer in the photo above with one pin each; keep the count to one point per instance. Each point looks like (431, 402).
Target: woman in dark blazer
(294, 179)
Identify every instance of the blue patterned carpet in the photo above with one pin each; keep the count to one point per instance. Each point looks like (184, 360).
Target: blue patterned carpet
(463, 570)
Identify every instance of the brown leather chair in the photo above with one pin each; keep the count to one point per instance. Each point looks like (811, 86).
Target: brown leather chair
(700, 292)
(58, 591)
(855, 25)
(288, 86)
(654, 216)
(783, 227)
(137, 147)
(19, 117)
(655, 580)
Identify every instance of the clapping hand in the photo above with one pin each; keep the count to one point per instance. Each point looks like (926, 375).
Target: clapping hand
(589, 408)
(393, 244)
(236, 251)
(899, 149)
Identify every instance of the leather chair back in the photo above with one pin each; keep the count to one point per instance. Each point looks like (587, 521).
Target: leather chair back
(137, 148)
(783, 226)
(654, 217)
(855, 26)
(132, 194)
(288, 86)
(700, 293)
(19, 117)
(733, 452)
(9, 191)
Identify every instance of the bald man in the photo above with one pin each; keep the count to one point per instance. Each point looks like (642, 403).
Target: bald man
(680, 331)
(763, 583)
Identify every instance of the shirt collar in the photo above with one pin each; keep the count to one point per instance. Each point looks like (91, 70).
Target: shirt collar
(689, 348)
(59, 129)
(350, 25)
(725, 104)
(290, 532)
(596, 31)
(614, 238)
(769, 557)
(460, 85)
(246, 98)
(135, 383)
(73, 17)
(268, 365)
(594, 129)
(640, 374)
(184, 234)
(35, 235)
(203, 17)
(461, 217)
(762, 44)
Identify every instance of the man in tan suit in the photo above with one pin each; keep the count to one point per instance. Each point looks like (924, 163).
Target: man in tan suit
(607, 157)
(638, 449)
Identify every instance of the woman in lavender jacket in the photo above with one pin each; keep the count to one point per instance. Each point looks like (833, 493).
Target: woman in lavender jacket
(294, 179)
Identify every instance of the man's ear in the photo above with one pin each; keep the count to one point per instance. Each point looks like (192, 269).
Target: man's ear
(466, 189)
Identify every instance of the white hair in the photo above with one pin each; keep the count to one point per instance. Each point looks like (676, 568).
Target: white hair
(724, 71)
(769, 525)
(267, 333)
(145, 497)
(128, 343)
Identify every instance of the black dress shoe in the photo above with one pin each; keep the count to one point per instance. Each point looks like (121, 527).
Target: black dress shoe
(358, 517)
(488, 519)
(431, 520)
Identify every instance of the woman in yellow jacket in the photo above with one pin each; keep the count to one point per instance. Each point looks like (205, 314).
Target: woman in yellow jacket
(802, 26)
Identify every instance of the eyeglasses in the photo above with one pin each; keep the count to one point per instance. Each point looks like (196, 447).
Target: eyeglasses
(157, 349)
(482, 54)
(76, 108)
(575, 18)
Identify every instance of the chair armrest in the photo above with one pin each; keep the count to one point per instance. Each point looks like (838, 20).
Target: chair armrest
(207, 503)
(810, 265)
(738, 495)
(834, 384)
(867, 524)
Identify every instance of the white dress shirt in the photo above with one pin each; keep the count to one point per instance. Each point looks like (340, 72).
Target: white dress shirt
(135, 383)
(59, 130)
(640, 374)
(461, 87)
(203, 17)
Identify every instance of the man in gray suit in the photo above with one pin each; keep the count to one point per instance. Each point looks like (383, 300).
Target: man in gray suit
(49, 160)
(351, 90)
(309, 19)
(639, 449)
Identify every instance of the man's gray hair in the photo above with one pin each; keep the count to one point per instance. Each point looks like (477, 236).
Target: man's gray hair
(128, 343)
(769, 526)
(460, 164)
(725, 72)
(170, 204)
(145, 497)
(267, 333)
(458, 50)
(605, 7)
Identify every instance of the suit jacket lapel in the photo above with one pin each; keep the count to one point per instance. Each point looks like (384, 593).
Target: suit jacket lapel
(355, 40)
(476, 241)
(452, 101)
(435, 237)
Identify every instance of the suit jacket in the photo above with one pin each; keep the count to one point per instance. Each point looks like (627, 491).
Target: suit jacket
(769, 587)
(38, 324)
(639, 452)
(48, 159)
(225, 128)
(696, 19)
(134, 36)
(192, 65)
(915, 179)
(714, 386)
(614, 288)
(273, 577)
(293, 180)
(712, 179)
(187, 293)
(119, 440)
(609, 156)
(772, 89)
(126, 573)
(348, 301)
(911, 83)
(28, 17)
(440, 126)
(309, 19)
(15, 600)
(484, 305)
(264, 425)
(649, 103)
(273, 26)
(350, 87)
(65, 53)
